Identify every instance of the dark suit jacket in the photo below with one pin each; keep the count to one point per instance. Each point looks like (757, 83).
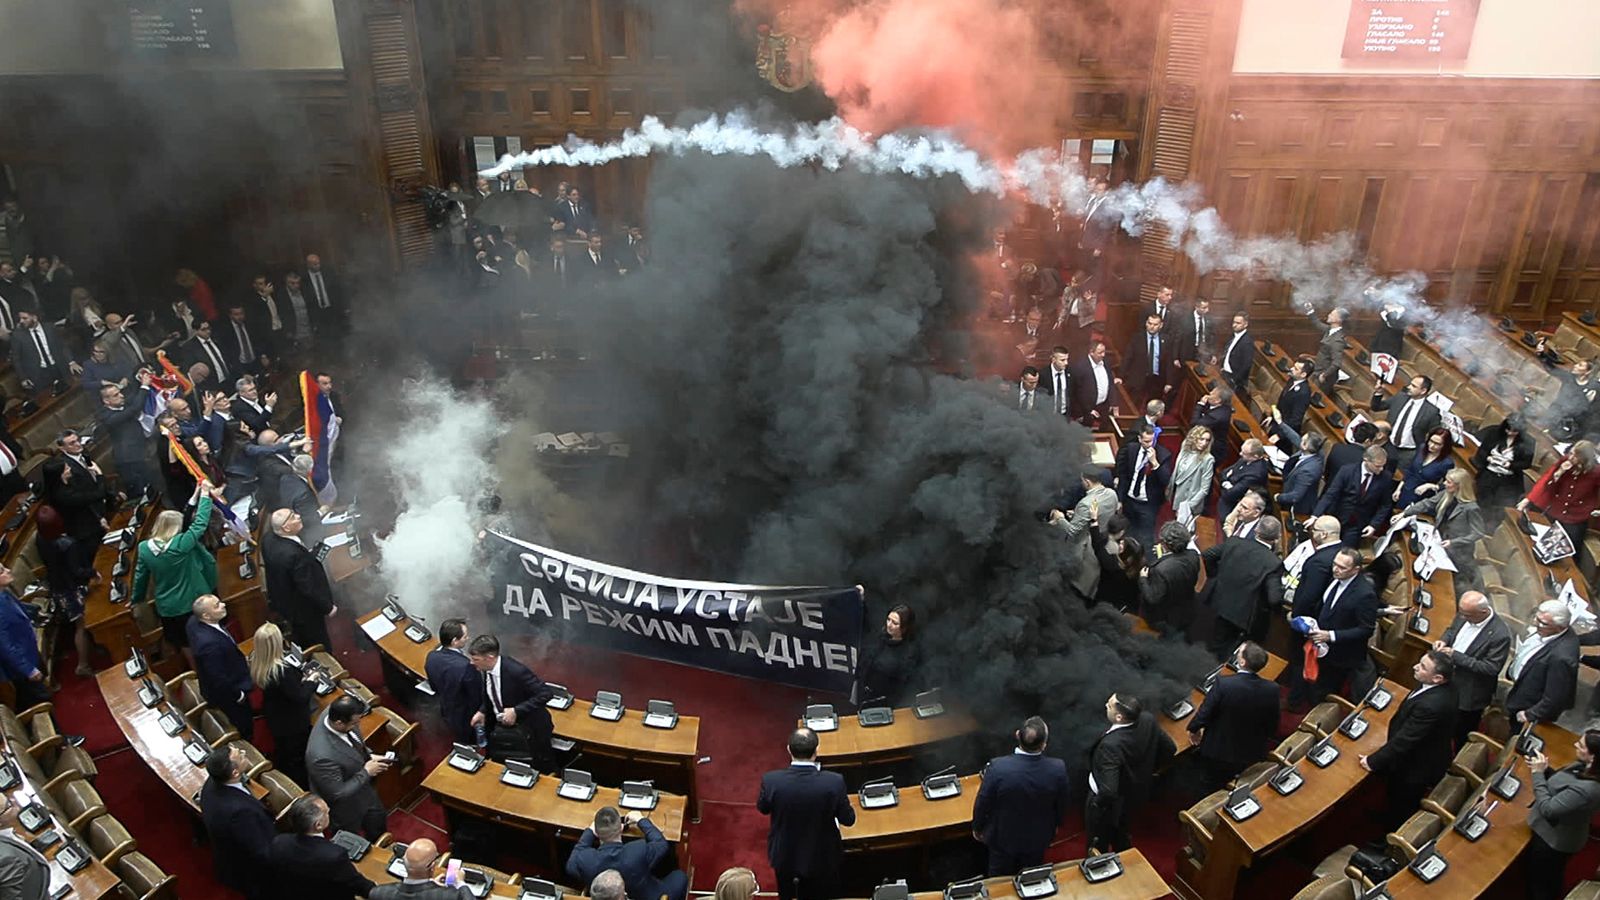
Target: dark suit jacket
(1315, 576)
(402, 891)
(297, 585)
(227, 341)
(1218, 419)
(1124, 762)
(1426, 419)
(1242, 476)
(241, 832)
(1344, 501)
(459, 688)
(1477, 670)
(224, 673)
(192, 351)
(1301, 476)
(1022, 800)
(1166, 593)
(1548, 682)
(1155, 480)
(287, 701)
(1240, 719)
(258, 419)
(580, 219)
(1293, 401)
(1190, 347)
(633, 860)
(523, 691)
(311, 867)
(803, 803)
(1135, 360)
(337, 301)
(1083, 387)
(121, 429)
(270, 469)
(337, 773)
(1241, 360)
(1245, 580)
(1351, 622)
(1421, 738)
(30, 365)
(1047, 383)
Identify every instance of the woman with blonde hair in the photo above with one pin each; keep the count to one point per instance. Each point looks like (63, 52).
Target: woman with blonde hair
(1192, 473)
(737, 883)
(287, 697)
(1569, 491)
(1460, 522)
(181, 567)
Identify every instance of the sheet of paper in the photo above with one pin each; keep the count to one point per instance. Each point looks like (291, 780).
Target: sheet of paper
(113, 536)
(338, 518)
(378, 627)
(338, 539)
(1276, 458)
(1444, 403)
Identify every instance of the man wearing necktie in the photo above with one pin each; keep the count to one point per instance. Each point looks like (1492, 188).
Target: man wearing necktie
(1162, 309)
(1057, 382)
(329, 306)
(1421, 735)
(1360, 496)
(1141, 478)
(39, 356)
(1411, 416)
(242, 346)
(342, 769)
(1029, 396)
(203, 348)
(1146, 359)
(1196, 343)
(1344, 623)
(514, 716)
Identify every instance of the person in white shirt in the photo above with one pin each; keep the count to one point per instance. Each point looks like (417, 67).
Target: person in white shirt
(1478, 643)
(1544, 667)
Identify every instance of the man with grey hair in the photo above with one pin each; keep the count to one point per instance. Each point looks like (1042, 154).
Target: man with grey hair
(601, 849)
(608, 885)
(1361, 497)
(1330, 348)
(295, 492)
(1249, 472)
(297, 586)
(1544, 668)
(250, 407)
(1477, 643)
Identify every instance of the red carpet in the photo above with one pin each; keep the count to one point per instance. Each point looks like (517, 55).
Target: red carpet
(744, 724)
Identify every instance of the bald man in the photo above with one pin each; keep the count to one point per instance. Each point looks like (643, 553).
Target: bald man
(297, 586)
(422, 856)
(1478, 643)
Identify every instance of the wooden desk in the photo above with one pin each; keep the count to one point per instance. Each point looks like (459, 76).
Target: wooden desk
(1238, 845)
(1442, 588)
(852, 745)
(1178, 729)
(1476, 865)
(162, 752)
(370, 725)
(91, 882)
(375, 867)
(341, 566)
(111, 624)
(628, 740)
(1138, 881)
(915, 821)
(539, 810)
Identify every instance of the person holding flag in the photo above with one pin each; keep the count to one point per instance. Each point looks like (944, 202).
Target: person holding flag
(201, 471)
(322, 429)
(180, 566)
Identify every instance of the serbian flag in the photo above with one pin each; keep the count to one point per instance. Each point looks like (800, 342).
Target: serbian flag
(222, 509)
(322, 427)
(172, 375)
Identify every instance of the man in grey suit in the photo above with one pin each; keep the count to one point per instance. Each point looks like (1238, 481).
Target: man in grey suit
(1477, 643)
(342, 768)
(1098, 505)
(422, 855)
(1544, 668)
(118, 424)
(1330, 348)
(24, 874)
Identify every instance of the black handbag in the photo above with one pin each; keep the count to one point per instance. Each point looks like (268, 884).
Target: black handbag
(1375, 862)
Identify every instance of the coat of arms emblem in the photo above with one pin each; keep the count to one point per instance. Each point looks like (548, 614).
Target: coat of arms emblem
(783, 55)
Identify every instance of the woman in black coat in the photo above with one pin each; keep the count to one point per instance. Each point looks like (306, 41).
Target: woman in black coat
(1504, 451)
(888, 663)
(287, 698)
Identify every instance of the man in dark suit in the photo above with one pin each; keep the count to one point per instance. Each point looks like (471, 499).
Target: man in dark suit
(272, 318)
(455, 682)
(1316, 573)
(806, 806)
(1330, 348)
(1419, 748)
(1166, 586)
(1214, 412)
(1056, 381)
(239, 825)
(1148, 361)
(1093, 388)
(1477, 644)
(203, 348)
(40, 356)
(1302, 476)
(308, 866)
(223, 672)
(1022, 800)
(1293, 401)
(342, 768)
(1248, 472)
(297, 585)
(513, 711)
(1360, 497)
(244, 348)
(1239, 355)
(1163, 308)
(601, 847)
(118, 425)
(575, 215)
(250, 407)
(1344, 623)
(1390, 336)
(1411, 418)
(1196, 335)
(421, 858)
(1029, 396)
(1244, 586)
(1122, 767)
(1544, 668)
(1141, 473)
(1238, 721)
(330, 304)
(594, 266)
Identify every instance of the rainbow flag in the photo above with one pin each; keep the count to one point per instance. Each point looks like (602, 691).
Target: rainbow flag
(322, 427)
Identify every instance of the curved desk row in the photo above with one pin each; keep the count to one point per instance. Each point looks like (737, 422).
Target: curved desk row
(1178, 729)
(853, 744)
(627, 740)
(1138, 881)
(91, 882)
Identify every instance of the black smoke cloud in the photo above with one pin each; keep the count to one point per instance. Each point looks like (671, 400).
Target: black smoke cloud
(779, 367)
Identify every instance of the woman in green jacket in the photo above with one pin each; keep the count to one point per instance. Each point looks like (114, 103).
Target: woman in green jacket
(181, 566)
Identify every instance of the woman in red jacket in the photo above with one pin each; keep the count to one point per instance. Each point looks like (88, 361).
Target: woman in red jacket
(1569, 491)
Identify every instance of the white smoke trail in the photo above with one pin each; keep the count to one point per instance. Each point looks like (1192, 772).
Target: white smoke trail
(1325, 274)
(440, 465)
